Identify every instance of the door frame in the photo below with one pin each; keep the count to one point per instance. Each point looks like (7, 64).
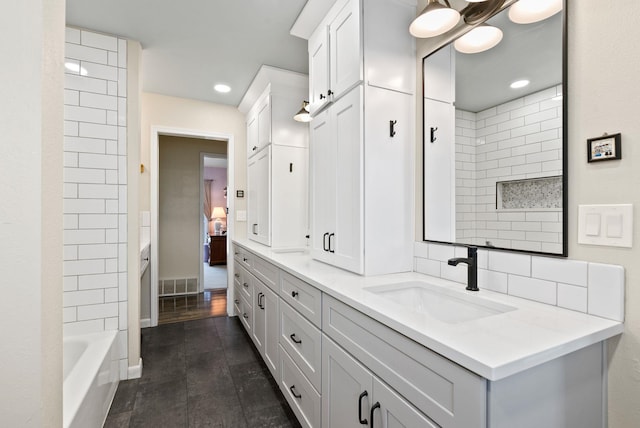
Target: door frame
(156, 132)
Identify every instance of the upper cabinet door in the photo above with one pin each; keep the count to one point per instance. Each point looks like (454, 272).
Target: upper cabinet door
(438, 71)
(318, 69)
(345, 38)
(252, 136)
(264, 122)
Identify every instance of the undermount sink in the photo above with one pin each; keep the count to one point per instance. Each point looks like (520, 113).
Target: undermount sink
(444, 305)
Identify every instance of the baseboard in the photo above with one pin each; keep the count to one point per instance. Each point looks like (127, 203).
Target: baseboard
(145, 323)
(135, 372)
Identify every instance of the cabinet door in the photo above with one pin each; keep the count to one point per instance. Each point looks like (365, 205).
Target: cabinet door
(345, 37)
(323, 184)
(252, 136)
(347, 243)
(318, 68)
(264, 122)
(395, 411)
(265, 333)
(259, 203)
(345, 382)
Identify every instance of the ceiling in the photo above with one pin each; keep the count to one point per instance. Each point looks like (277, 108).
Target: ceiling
(190, 45)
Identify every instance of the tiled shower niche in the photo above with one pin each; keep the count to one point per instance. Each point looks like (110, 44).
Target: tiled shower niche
(536, 193)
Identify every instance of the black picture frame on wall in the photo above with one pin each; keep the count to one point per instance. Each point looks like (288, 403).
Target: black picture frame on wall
(607, 147)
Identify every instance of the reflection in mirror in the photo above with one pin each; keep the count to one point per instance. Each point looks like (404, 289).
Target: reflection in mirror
(493, 153)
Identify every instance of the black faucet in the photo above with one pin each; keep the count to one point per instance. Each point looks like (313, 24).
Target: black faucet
(472, 269)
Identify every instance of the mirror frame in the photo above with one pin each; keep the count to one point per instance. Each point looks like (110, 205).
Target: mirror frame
(438, 43)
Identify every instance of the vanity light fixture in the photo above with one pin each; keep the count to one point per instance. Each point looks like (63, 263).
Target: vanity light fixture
(479, 39)
(435, 19)
(222, 88)
(303, 115)
(519, 84)
(529, 11)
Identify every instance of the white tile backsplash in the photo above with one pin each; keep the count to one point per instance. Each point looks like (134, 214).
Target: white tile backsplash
(95, 236)
(594, 288)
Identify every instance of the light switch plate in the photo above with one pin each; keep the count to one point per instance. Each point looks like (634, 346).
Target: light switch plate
(606, 225)
(241, 215)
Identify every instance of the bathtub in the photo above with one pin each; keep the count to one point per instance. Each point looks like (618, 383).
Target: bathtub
(91, 375)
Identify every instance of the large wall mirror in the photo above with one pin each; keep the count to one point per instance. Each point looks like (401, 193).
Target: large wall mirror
(495, 137)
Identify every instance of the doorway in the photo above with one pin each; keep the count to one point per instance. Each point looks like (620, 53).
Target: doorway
(178, 228)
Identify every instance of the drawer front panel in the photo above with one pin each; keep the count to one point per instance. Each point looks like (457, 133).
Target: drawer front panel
(242, 256)
(451, 395)
(266, 272)
(303, 297)
(246, 316)
(245, 282)
(303, 341)
(301, 395)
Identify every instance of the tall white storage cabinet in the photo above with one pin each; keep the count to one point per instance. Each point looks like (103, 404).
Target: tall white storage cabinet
(361, 92)
(277, 159)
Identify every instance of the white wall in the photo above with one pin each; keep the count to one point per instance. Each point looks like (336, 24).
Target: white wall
(32, 49)
(95, 187)
(604, 96)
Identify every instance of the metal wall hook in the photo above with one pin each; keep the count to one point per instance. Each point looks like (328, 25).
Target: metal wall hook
(392, 131)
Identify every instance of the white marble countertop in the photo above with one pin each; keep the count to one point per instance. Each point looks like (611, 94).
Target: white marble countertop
(494, 347)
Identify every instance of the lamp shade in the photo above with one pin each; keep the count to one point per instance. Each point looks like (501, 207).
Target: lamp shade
(218, 212)
(529, 11)
(434, 20)
(303, 114)
(480, 39)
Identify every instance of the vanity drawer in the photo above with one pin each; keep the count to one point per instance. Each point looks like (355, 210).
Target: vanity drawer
(303, 341)
(446, 392)
(303, 297)
(237, 305)
(265, 272)
(302, 397)
(246, 315)
(242, 256)
(244, 281)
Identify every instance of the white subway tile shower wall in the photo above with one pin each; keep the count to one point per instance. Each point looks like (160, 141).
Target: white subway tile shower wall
(95, 226)
(521, 139)
(592, 288)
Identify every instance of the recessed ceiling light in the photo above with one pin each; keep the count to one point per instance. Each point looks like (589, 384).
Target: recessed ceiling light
(222, 88)
(75, 68)
(480, 39)
(529, 11)
(519, 84)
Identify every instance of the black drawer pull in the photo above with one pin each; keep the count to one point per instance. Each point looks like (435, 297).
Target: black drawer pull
(293, 337)
(362, 421)
(236, 301)
(245, 285)
(237, 275)
(244, 259)
(324, 241)
(373, 409)
(294, 294)
(293, 391)
(245, 316)
(331, 250)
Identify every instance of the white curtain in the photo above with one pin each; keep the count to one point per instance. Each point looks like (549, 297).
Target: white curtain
(207, 208)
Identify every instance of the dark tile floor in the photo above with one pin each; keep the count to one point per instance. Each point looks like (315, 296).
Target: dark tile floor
(203, 373)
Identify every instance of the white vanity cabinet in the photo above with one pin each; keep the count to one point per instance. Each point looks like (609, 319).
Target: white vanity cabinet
(362, 136)
(353, 396)
(277, 158)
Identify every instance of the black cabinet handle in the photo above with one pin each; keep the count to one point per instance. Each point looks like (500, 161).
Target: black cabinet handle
(324, 241)
(293, 337)
(245, 316)
(260, 304)
(244, 259)
(245, 285)
(253, 228)
(373, 409)
(294, 294)
(432, 137)
(236, 301)
(293, 391)
(322, 97)
(237, 275)
(329, 92)
(362, 421)
(254, 148)
(331, 250)
(392, 128)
